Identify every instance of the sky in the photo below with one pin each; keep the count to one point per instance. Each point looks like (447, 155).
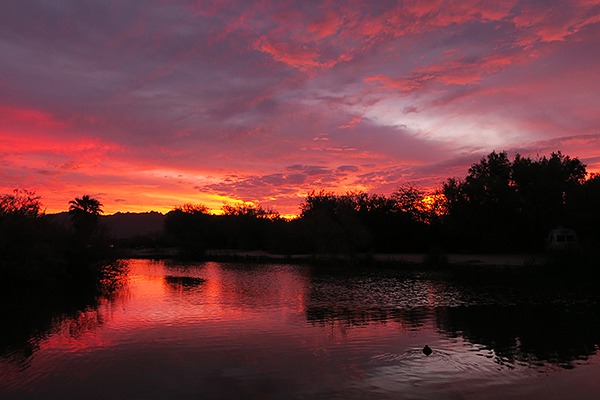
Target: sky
(150, 104)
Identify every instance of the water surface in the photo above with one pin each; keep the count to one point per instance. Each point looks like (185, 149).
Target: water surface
(232, 331)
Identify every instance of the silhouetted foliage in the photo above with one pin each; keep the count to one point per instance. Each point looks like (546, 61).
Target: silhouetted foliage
(329, 224)
(33, 248)
(27, 241)
(511, 206)
(247, 226)
(418, 214)
(333, 224)
(288, 237)
(249, 210)
(410, 200)
(85, 204)
(242, 226)
(383, 222)
(85, 212)
(191, 208)
(359, 222)
(189, 227)
(21, 203)
(585, 212)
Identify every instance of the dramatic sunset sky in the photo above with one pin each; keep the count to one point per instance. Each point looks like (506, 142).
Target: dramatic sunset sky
(148, 104)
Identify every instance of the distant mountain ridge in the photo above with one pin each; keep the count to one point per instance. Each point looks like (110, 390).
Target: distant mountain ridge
(122, 225)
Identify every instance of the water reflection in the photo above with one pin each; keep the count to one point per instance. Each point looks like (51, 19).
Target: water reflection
(525, 328)
(532, 335)
(214, 330)
(29, 315)
(183, 282)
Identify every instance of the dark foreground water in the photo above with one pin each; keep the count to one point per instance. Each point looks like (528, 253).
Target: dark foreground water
(233, 331)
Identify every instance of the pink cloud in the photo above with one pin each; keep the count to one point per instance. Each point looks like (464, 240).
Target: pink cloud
(548, 22)
(351, 123)
(12, 115)
(452, 72)
(296, 55)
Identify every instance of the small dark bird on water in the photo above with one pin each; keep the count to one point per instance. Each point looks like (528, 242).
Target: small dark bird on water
(427, 350)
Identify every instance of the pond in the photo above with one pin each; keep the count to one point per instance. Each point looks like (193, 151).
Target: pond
(246, 331)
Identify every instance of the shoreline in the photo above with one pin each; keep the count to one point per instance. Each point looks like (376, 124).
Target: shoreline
(409, 259)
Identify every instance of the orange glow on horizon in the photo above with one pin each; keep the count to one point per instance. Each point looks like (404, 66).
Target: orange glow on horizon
(159, 203)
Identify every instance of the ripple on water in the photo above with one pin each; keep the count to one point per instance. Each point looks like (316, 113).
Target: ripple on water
(446, 373)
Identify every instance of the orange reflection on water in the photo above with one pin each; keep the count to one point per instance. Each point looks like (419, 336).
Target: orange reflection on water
(213, 292)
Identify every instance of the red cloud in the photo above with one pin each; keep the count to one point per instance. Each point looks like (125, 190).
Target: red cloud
(325, 25)
(31, 143)
(29, 117)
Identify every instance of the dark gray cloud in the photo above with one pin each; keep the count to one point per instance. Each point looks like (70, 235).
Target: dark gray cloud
(347, 168)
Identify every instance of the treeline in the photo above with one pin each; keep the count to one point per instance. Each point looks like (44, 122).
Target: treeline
(500, 206)
(328, 224)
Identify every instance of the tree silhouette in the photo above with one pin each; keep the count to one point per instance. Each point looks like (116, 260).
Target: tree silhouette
(486, 204)
(23, 235)
(249, 210)
(507, 206)
(85, 204)
(190, 227)
(191, 208)
(333, 222)
(31, 247)
(248, 226)
(411, 201)
(85, 212)
(21, 203)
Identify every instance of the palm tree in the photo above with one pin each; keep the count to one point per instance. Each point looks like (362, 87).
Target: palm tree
(84, 214)
(85, 204)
